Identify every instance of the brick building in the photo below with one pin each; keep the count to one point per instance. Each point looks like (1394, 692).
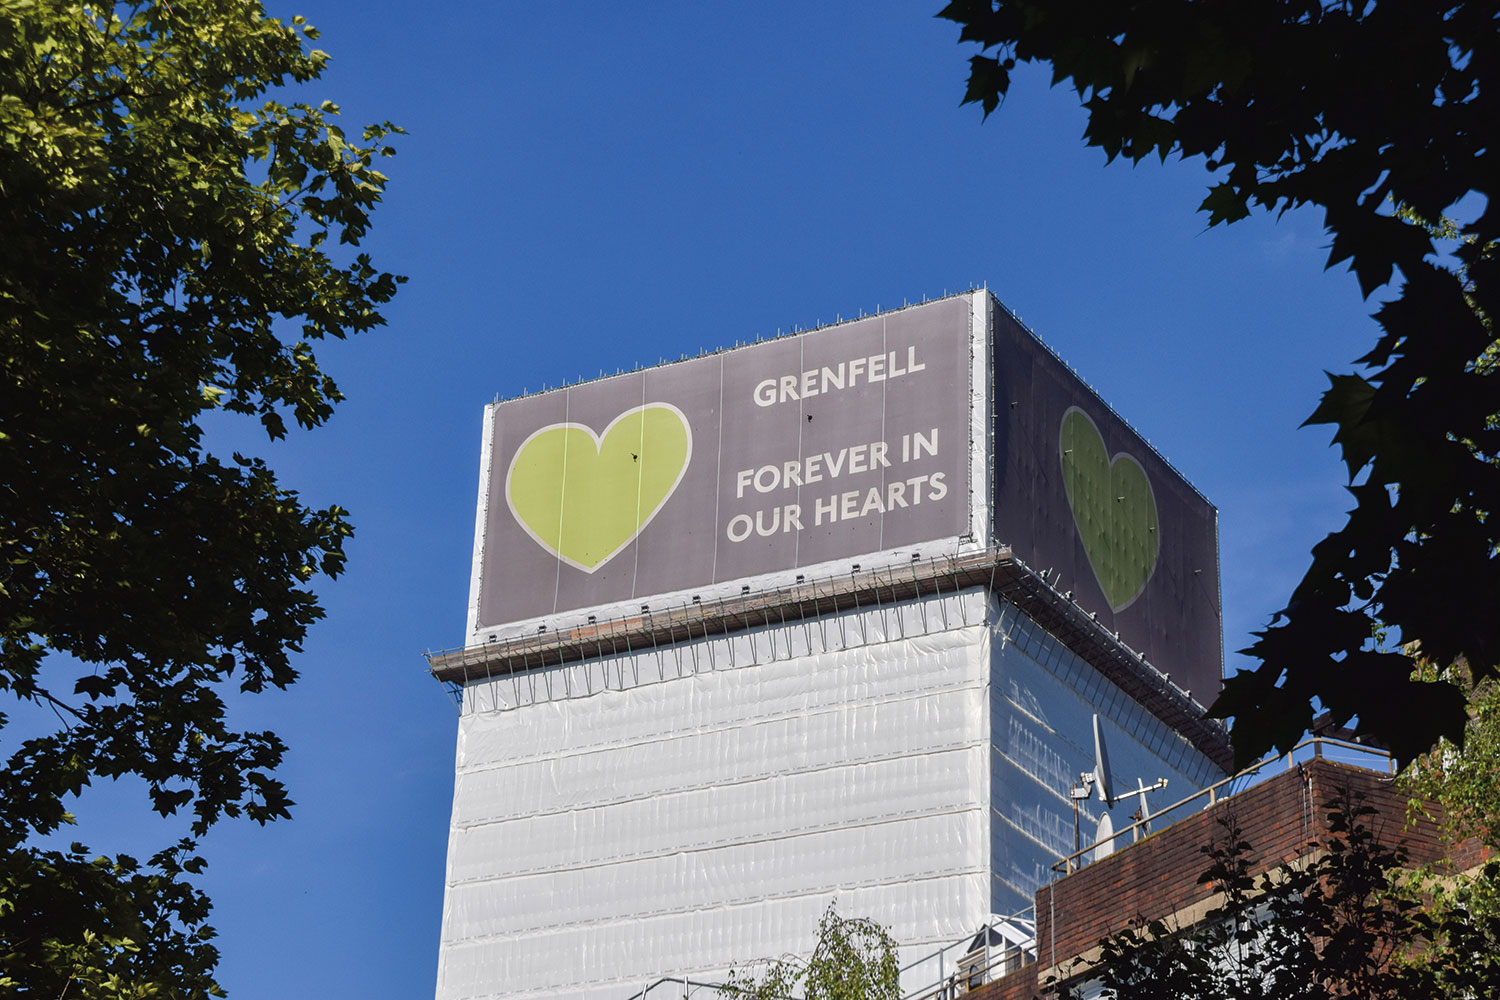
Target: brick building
(1282, 817)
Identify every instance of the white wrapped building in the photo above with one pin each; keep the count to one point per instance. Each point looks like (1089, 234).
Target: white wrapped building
(672, 777)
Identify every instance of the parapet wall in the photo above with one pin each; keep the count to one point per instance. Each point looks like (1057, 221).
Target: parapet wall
(1281, 818)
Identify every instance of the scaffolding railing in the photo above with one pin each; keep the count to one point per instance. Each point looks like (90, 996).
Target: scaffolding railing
(682, 988)
(976, 966)
(971, 968)
(658, 627)
(1309, 748)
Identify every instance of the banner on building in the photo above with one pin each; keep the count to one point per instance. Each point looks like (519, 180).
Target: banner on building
(1082, 497)
(781, 454)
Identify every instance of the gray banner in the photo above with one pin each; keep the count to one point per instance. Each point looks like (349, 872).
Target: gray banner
(1080, 494)
(829, 444)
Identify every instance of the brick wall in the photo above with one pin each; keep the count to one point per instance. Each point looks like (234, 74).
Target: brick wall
(1280, 817)
(1017, 985)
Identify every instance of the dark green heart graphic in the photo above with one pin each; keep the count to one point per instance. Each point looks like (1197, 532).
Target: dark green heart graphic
(1113, 507)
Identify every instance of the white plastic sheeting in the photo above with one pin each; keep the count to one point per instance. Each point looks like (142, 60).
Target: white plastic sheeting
(688, 808)
(679, 811)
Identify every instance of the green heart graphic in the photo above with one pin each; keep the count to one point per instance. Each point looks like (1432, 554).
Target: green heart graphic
(586, 496)
(1113, 507)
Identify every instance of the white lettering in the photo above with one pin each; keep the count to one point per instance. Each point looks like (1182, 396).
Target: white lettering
(810, 473)
(739, 527)
(855, 367)
(925, 444)
(851, 460)
(791, 516)
(844, 375)
(846, 505)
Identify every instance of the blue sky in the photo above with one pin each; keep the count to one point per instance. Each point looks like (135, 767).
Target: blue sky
(587, 189)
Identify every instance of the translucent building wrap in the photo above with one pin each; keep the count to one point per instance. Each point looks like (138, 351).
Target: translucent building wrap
(680, 809)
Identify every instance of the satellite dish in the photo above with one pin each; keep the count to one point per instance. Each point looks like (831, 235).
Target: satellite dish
(1090, 781)
(1101, 767)
(1104, 838)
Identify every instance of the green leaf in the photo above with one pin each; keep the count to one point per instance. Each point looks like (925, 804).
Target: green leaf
(146, 581)
(1224, 204)
(988, 83)
(1381, 116)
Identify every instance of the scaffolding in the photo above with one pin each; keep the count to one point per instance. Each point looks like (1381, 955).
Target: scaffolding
(669, 629)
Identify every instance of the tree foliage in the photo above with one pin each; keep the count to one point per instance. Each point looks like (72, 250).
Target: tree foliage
(1463, 781)
(105, 927)
(164, 256)
(1353, 107)
(855, 959)
(1350, 921)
